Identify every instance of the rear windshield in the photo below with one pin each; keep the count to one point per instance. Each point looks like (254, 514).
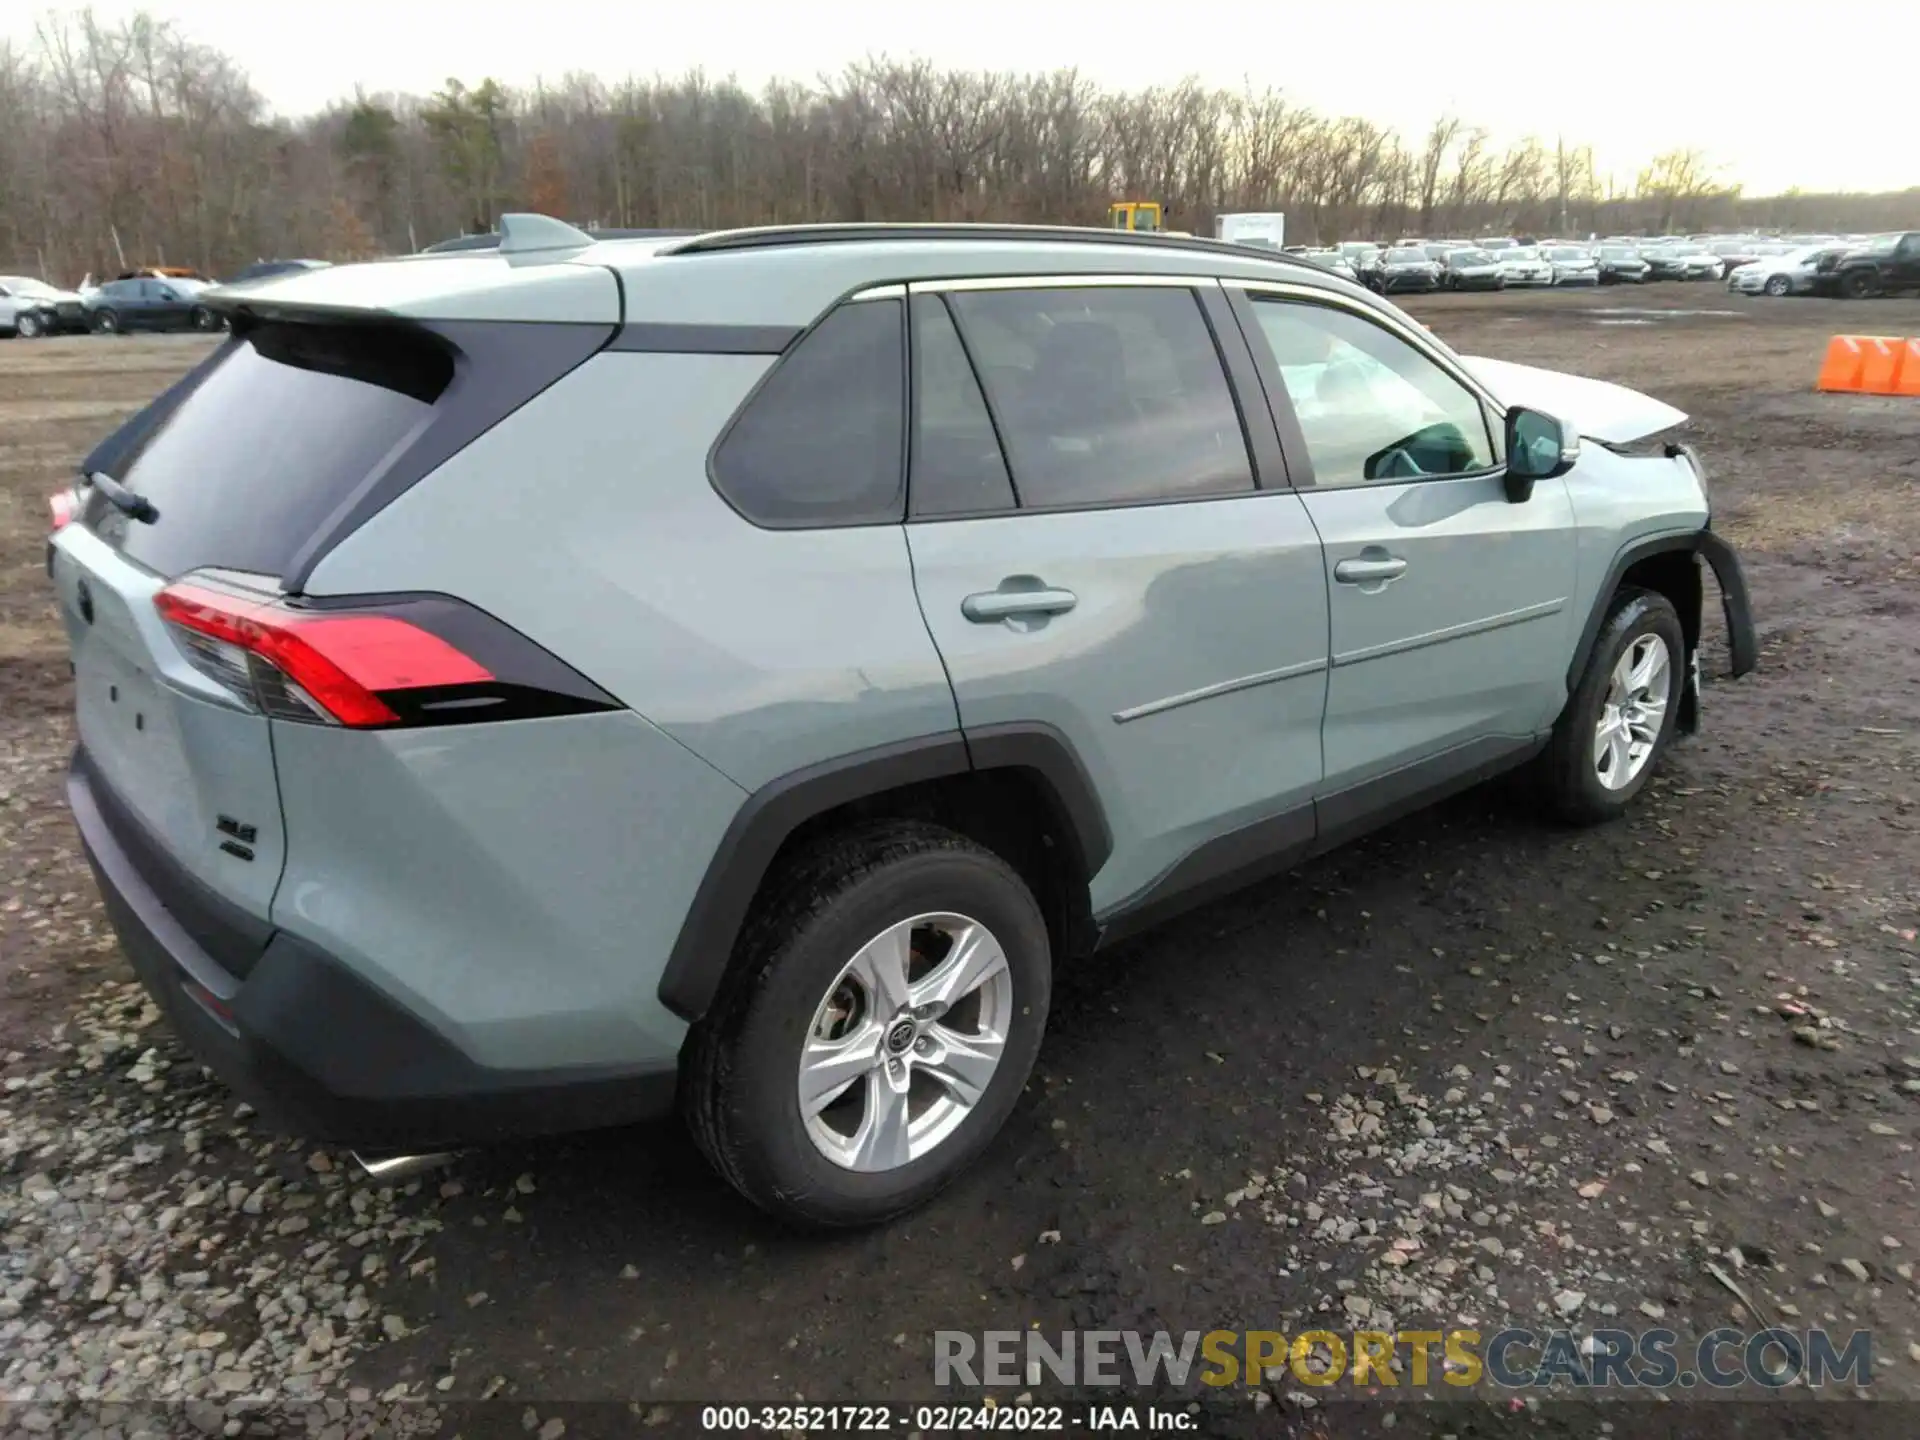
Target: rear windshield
(271, 441)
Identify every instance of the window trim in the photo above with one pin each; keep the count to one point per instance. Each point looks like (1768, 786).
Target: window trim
(1198, 287)
(1244, 295)
(913, 410)
(864, 295)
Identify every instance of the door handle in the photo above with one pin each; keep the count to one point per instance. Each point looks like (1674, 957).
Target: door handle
(1366, 572)
(991, 605)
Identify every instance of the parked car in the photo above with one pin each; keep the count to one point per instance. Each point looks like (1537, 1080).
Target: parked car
(1619, 265)
(1573, 265)
(31, 308)
(1401, 270)
(1881, 265)
(1525, 265)
(1471, 270)
(1497, 242)
(1794, 273)
(398, 869)
(128, 305)
(1330, 260)
(267, 269)
(1362, 255)
(161, 272)
(1698, 262)
(1680, 260)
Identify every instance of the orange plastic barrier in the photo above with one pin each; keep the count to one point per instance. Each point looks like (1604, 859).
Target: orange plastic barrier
(1871, 365)
(1880, 367)
(1840, 374)
(1907, 382)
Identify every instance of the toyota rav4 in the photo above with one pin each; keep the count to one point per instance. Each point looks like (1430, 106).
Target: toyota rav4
(534, 689)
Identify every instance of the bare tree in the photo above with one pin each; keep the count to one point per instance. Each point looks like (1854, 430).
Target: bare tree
(128, 142)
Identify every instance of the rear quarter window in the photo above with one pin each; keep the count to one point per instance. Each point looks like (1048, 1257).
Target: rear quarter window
(822, 441)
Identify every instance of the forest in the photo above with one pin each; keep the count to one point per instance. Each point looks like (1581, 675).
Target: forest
(136, 143)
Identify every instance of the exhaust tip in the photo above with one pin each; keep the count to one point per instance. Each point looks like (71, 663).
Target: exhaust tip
(400, 1167)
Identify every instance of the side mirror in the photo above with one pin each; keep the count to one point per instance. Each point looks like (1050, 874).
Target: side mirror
(1539, 448)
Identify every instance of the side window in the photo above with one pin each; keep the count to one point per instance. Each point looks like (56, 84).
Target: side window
(1371, 406)
(957, 465)
(823, 440)
(1106, 395)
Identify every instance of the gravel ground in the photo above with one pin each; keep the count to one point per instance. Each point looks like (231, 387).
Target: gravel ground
(1475, 1070)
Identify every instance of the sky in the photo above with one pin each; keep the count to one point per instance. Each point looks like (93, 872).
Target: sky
(1770, 99)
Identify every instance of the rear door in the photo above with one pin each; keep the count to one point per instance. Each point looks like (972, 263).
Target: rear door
(1094, 549)
(1451, 608)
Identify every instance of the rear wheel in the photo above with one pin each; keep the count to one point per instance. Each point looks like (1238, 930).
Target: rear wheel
(1621, 716)
(886, 1004)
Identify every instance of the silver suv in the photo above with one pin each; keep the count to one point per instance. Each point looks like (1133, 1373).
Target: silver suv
(519, 691)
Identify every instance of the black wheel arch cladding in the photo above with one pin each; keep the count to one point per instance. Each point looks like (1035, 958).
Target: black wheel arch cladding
(704, 948)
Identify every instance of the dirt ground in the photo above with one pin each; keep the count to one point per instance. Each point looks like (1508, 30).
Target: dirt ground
(1475, 1070)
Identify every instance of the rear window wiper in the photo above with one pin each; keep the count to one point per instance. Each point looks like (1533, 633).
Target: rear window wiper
(129, 503)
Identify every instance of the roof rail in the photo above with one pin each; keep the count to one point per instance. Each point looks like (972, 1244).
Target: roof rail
(773, 236)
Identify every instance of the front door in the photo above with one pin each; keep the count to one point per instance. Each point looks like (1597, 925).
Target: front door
(1451, 608)
(1092, 551)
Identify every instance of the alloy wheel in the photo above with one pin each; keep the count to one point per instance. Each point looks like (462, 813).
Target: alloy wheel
(906, 1042)
(1633, 713)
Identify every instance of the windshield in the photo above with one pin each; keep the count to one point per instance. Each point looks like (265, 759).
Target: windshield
(1461, 258)
(1616, 252)
(1521, 252)
(1567, 252)
(1880, 244)
(1407, 257)
(1685, 250)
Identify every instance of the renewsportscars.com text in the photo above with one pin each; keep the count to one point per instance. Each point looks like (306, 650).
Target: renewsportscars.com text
(1511, 1358)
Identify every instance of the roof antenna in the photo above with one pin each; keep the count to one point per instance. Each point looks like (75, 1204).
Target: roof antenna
(527, 234)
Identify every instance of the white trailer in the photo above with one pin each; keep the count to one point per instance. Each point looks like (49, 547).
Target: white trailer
(1265, 228)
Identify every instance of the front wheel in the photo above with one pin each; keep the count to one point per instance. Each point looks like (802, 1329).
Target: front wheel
(205, 319)
(1857, 285)
(1621, 716)
(1778, 285)
(105, 322)
(885, 1006)
(29, 326)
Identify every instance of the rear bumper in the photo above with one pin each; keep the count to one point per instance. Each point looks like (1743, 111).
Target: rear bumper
(310, 1044)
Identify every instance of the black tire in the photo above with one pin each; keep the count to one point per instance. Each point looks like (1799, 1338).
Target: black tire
(29, 326)
(204, 319)
(1858, 285)
(738, 1078)
(1778, 285)
(105, 322)
(1567, 769)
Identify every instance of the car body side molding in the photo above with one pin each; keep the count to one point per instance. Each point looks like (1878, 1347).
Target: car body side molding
(771, 814)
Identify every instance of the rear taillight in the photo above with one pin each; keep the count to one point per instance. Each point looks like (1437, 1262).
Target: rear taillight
(405, 661)
(64, 504)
